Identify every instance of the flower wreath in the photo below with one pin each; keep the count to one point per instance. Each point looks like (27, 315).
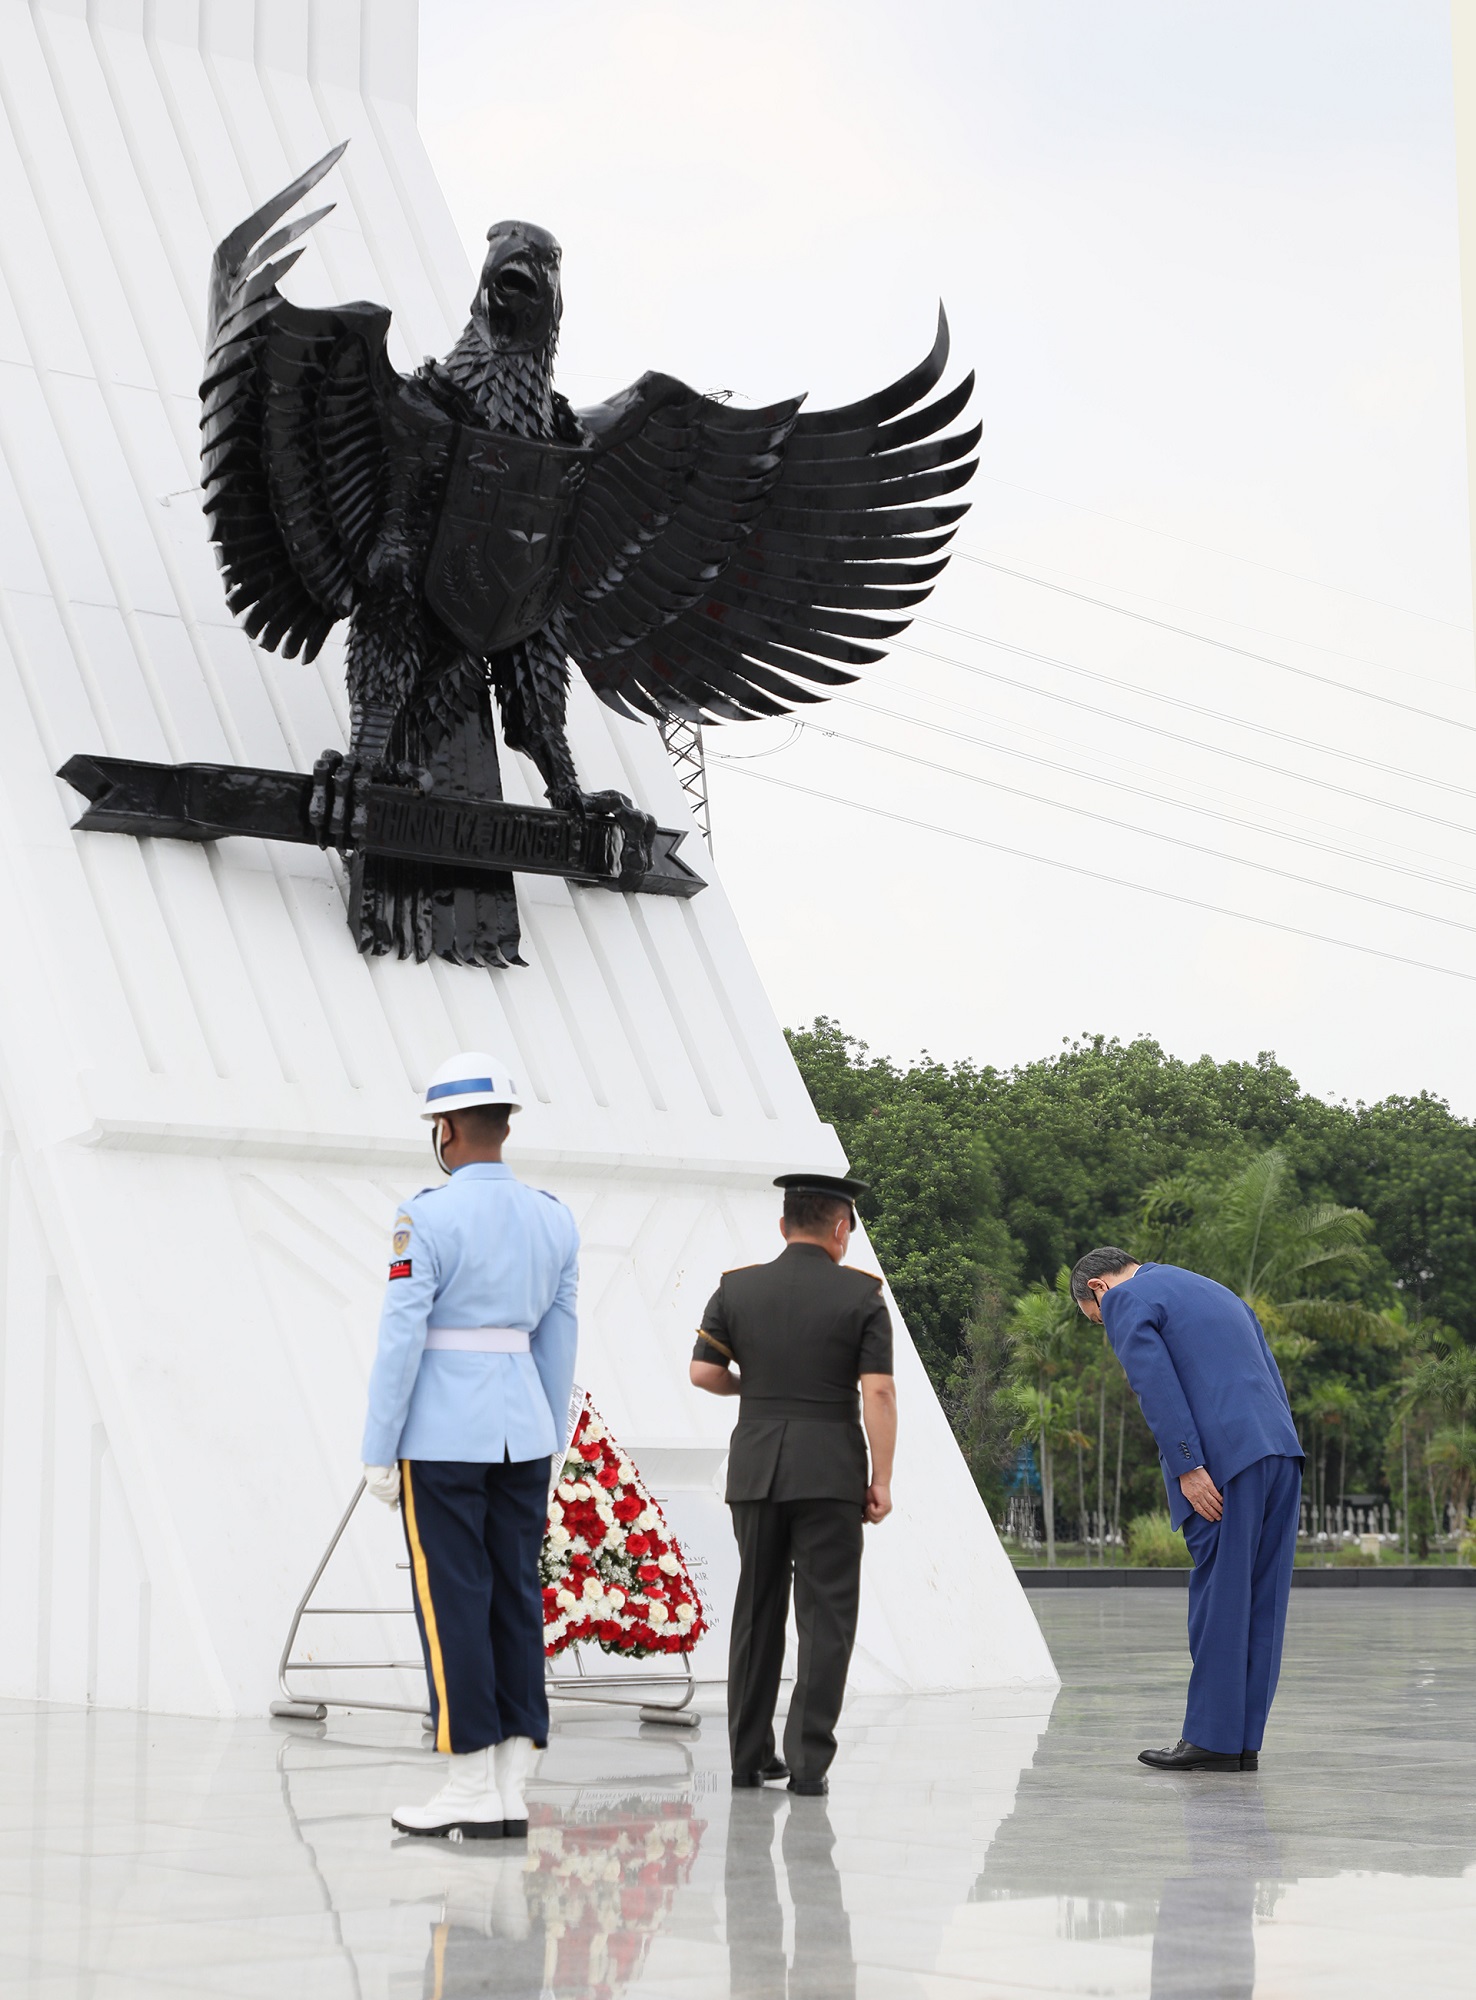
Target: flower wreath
(611, 1572)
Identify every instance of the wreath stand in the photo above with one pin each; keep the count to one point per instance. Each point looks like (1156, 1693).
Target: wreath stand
(580, 1686)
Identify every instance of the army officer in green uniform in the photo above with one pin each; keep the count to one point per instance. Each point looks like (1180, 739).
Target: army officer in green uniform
(794, 1339)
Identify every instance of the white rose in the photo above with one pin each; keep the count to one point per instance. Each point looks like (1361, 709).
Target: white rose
(669, 1563)
(566, 1600)
(685, 1614)
(647, 1520)
(594, 1430)
(615, 1595)
(657, 1615)
(559, 1537)
(568, 1490)
(626, 1471)
(593, 1587)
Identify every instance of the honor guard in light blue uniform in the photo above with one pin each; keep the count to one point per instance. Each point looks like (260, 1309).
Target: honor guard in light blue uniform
(468, 1401)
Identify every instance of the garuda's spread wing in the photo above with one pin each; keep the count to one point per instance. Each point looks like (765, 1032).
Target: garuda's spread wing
(294, 450)
(721, 553)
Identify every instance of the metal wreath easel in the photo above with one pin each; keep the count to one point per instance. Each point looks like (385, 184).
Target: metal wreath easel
(581, 1686)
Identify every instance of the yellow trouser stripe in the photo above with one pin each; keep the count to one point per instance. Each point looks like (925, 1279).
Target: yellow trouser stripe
(439, 1949)
(427, 1610)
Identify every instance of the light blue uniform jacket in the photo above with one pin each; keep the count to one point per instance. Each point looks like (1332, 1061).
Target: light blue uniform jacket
(482, 1251)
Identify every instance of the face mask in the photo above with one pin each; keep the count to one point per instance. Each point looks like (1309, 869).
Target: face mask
(437, 1128)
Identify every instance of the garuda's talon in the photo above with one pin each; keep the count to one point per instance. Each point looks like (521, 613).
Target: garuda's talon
(336, 806)
(325, 794)
(638, 825)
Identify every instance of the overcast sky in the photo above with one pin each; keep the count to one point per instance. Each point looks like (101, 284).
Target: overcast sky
(1203, 258)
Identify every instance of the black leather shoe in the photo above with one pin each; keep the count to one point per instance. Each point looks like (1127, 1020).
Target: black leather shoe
(1250, 1760)
(746, 1781)
(775, 1769)
(1189, 1757)
(810, 1788)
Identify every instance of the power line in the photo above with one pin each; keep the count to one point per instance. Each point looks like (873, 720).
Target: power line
(911, 693)
(1194, 707)
(1120, 785)
(1173, 736)
(1220, 618)
(1096, 875)
(1147, 833)
(1205, 639)
(1208, 548)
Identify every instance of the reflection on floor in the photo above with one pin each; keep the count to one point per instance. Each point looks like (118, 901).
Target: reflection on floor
(972, 1845)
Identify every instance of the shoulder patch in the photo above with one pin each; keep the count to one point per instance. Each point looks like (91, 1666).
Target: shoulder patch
(400, 1240)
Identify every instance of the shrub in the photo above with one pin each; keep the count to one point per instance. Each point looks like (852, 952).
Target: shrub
(1153, 1544)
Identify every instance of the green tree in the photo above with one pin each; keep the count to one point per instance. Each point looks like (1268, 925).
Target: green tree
(988, 1180)
(1410, 1163)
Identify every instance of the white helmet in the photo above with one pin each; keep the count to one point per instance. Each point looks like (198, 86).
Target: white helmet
(473, 1077)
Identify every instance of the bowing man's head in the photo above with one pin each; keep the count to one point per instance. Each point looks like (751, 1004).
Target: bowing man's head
(1097, 1273)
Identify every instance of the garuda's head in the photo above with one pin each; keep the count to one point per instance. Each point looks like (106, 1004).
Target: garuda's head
(518, 303)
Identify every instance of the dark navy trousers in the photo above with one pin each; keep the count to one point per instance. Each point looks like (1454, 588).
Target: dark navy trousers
(1237, 1604)
(474, 1533)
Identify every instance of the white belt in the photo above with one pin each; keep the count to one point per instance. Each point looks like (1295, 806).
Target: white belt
(478, 1339)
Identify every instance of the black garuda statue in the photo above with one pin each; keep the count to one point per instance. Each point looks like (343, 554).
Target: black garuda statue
(693, 559)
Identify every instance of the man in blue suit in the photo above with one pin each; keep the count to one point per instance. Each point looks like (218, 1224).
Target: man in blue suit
(1212, 1395)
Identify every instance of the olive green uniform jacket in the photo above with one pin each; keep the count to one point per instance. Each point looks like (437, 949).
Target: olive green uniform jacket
(801, 1331)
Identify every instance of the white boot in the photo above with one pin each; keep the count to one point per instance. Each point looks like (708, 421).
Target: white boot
(512, 1766)
(469, 1803)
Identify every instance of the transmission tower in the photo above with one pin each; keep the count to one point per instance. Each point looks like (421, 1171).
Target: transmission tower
(683, 742)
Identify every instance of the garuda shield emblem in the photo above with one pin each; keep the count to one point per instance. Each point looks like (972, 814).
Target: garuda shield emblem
(502, 540)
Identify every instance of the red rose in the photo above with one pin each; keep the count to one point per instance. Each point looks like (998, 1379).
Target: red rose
(579, 1560)
(608, 1476)
(627, 1509)
(607, 1630)
(637, 1545)
(648, 1573)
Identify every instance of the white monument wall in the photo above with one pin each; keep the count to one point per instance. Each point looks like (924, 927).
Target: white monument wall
(207, 1098)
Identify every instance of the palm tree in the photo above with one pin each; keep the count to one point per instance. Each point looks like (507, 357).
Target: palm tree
(1443, 1384)
(1043, 1333)
(1332, 1407)
(1250, 1233)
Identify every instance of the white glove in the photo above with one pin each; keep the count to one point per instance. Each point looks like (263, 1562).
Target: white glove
(383, 1482)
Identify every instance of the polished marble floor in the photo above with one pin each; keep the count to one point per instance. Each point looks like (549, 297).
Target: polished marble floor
(984, 1847)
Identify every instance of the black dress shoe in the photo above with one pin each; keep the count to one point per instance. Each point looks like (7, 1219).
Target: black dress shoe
(810, 1788)
(776, 1768)
(1189, 1757)
(1250, 1760)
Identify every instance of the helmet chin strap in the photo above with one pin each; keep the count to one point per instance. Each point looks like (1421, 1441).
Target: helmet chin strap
(438, 1126)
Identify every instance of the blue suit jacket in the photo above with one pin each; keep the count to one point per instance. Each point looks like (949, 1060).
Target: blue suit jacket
(1205, 1380)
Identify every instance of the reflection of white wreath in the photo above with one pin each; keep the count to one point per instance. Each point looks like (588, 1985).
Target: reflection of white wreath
(580, 1869)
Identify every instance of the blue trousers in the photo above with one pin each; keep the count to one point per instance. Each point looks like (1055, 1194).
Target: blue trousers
(474, 1533)
(1237, 1604)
